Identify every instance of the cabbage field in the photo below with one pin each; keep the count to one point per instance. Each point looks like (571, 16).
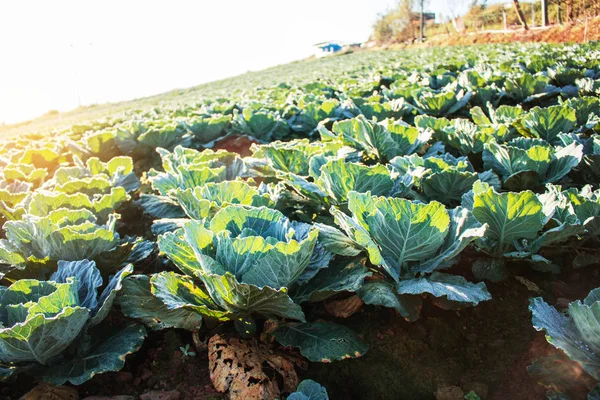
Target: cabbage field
(377, 225)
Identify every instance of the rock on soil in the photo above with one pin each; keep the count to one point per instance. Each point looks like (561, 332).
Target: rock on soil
(450, 393)
(161, 395)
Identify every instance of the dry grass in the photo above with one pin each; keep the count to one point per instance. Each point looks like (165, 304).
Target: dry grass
(575, 33)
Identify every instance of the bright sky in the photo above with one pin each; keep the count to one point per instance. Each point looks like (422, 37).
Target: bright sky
(119, 50)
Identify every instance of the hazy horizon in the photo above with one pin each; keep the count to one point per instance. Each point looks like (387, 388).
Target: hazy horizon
(59, 56)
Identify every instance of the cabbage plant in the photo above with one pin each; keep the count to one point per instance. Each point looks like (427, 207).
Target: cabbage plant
(243, 262)
(463, 135)
(116, 172)
(311, 110)
(24, 173)
(53, 329)
(410, 242)
(378, 140)
(527, 163)
(207, 128)
(442, 178)
(204, 201)
(520, 224)
(140, 138)
(293, 157)
(439, 104)
(11, 194)
(331, 178)
(186, 169)
(500, 119)
(259, 123)
(524, 86)
(61, 235)
(337, 178)
(547, 123)
(34, 244)
(100, 187)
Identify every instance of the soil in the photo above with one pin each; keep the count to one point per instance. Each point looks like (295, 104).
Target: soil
(485, 348)
(567, 33)
(490, 345)
(236, 144)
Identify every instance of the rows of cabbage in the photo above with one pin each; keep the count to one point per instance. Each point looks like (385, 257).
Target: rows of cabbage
(363, 187)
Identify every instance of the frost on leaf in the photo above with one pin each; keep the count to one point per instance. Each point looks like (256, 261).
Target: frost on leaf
(249, 370)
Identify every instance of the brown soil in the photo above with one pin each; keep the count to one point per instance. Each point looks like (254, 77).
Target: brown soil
(159, 365)
(568, 33)
(486, 348)
(235, 144)
(490, 346)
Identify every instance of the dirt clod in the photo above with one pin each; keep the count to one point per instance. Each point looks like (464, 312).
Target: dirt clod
(46, 391)
(344, 308)
(450, 393)
(161, 395)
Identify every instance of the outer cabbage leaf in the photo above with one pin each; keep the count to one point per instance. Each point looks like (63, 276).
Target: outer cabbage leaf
(464, 229)
(178, 292)
(88, 280)
(575, 333)
(136, 301)
(509, 216)
(321, 341)
(160, 206)
(107, 350)
(42, 319)
(343, 275)
(453, 287)
(242, 299)
(204, 201)
(395, 231)
(338, 178)
(382, 293)
(547, 123)
(382, 141)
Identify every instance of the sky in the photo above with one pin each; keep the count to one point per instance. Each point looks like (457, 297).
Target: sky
(60, 54)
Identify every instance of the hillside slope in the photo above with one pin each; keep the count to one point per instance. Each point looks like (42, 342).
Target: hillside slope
(298, 72)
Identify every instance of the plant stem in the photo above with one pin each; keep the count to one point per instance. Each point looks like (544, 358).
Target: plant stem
(198, 344)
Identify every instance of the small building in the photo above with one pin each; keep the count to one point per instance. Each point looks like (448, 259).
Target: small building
(327, 48)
